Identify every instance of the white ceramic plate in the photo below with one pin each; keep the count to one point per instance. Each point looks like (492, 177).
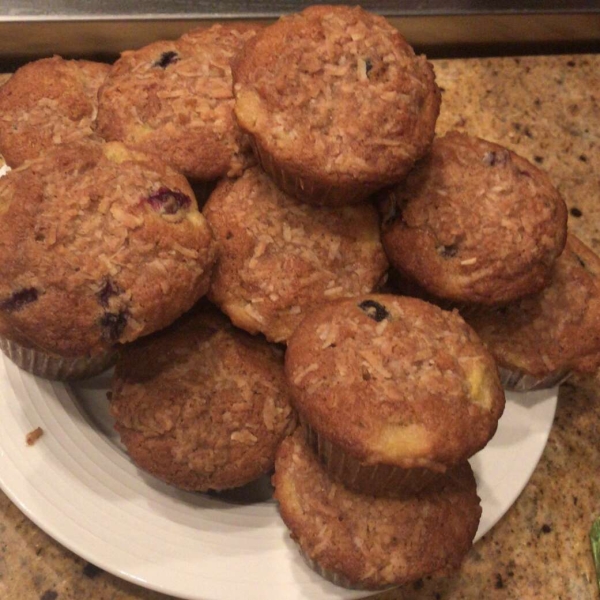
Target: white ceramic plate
(78, 485)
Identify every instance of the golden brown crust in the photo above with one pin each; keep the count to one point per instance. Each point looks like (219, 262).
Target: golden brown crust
(175, 99)
(336, 101)
(98, 245)
(394, 380)
(279, 257)
(475, 222)
(374, 542)
(48, 102)
(555, 330)
(202, 405)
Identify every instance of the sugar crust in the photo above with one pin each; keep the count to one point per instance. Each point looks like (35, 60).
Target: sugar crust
(202, 405)
(182, 112)
(281, 257)
(416, 388)
(557, 329)
(374, 542)
(475, 222)
(337, 99)
(48, 102)
(85, 260)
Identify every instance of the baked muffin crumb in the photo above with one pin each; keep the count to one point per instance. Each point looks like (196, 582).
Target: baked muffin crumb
(392, 391)
(361, 541)
(554, 332)
(475, 223)
(175, 99)
(111, 246)
(48, 102)
(280, 257)
(336, 102)
(201, 405)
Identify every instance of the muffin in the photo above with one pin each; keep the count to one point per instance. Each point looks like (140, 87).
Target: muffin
(99, 245)
(393, 391)
(48, 102)
(201, 405)
(540, 340)
(475, 223)
(175, 99)
(336, 102)
(279, 257)
(361, 541)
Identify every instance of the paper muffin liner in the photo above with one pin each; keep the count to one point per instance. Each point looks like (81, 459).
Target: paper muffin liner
(375, 480)
(517, 381)
(50, 366)
(337, 578)
(307, 189)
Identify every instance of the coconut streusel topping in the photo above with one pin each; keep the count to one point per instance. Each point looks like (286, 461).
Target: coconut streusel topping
(369, 541)
(337, 90)
(394, 380)
(98, 244)
(47, 102)
(202, 405)
(557, 329)
(279, 257)
(475, 222)
(175, 99)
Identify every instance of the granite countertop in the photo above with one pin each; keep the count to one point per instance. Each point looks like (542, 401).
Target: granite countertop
(548, 110)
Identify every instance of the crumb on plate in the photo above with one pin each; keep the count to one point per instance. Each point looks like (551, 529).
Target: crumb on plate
(33, 436)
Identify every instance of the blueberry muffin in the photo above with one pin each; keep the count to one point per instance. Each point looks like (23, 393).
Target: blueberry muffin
(48, 102)
(366, 542)
(99, 245)
(475, 223)
(201, 405)
(393, 390)
(540, 340)
(336, 102)
(175, 99)
(279, 257)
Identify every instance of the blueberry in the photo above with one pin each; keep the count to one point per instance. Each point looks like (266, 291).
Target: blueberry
(368, 65)
(374, 310)
(109, 288)
(166, 59)
(113, 325)
(17, 300)
(168, 201)
(448, 251)
(492, 159)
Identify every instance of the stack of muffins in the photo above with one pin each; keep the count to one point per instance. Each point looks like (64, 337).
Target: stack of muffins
(311, 126)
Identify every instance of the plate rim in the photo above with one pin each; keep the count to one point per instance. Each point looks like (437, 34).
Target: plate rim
(27, 497)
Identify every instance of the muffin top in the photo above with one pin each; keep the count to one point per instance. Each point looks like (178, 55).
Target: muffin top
(337, 92)
(394, 380)
(374, 542)
(175, 99)
(48, 102)
(555, 330)
(280, 257)
(475, 222)
(202, 405)
(98, 244)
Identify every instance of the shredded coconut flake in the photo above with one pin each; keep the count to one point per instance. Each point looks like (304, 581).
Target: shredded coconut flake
(304, 372)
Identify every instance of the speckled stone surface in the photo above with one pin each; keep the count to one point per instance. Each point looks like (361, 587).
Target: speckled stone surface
(548, 110)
